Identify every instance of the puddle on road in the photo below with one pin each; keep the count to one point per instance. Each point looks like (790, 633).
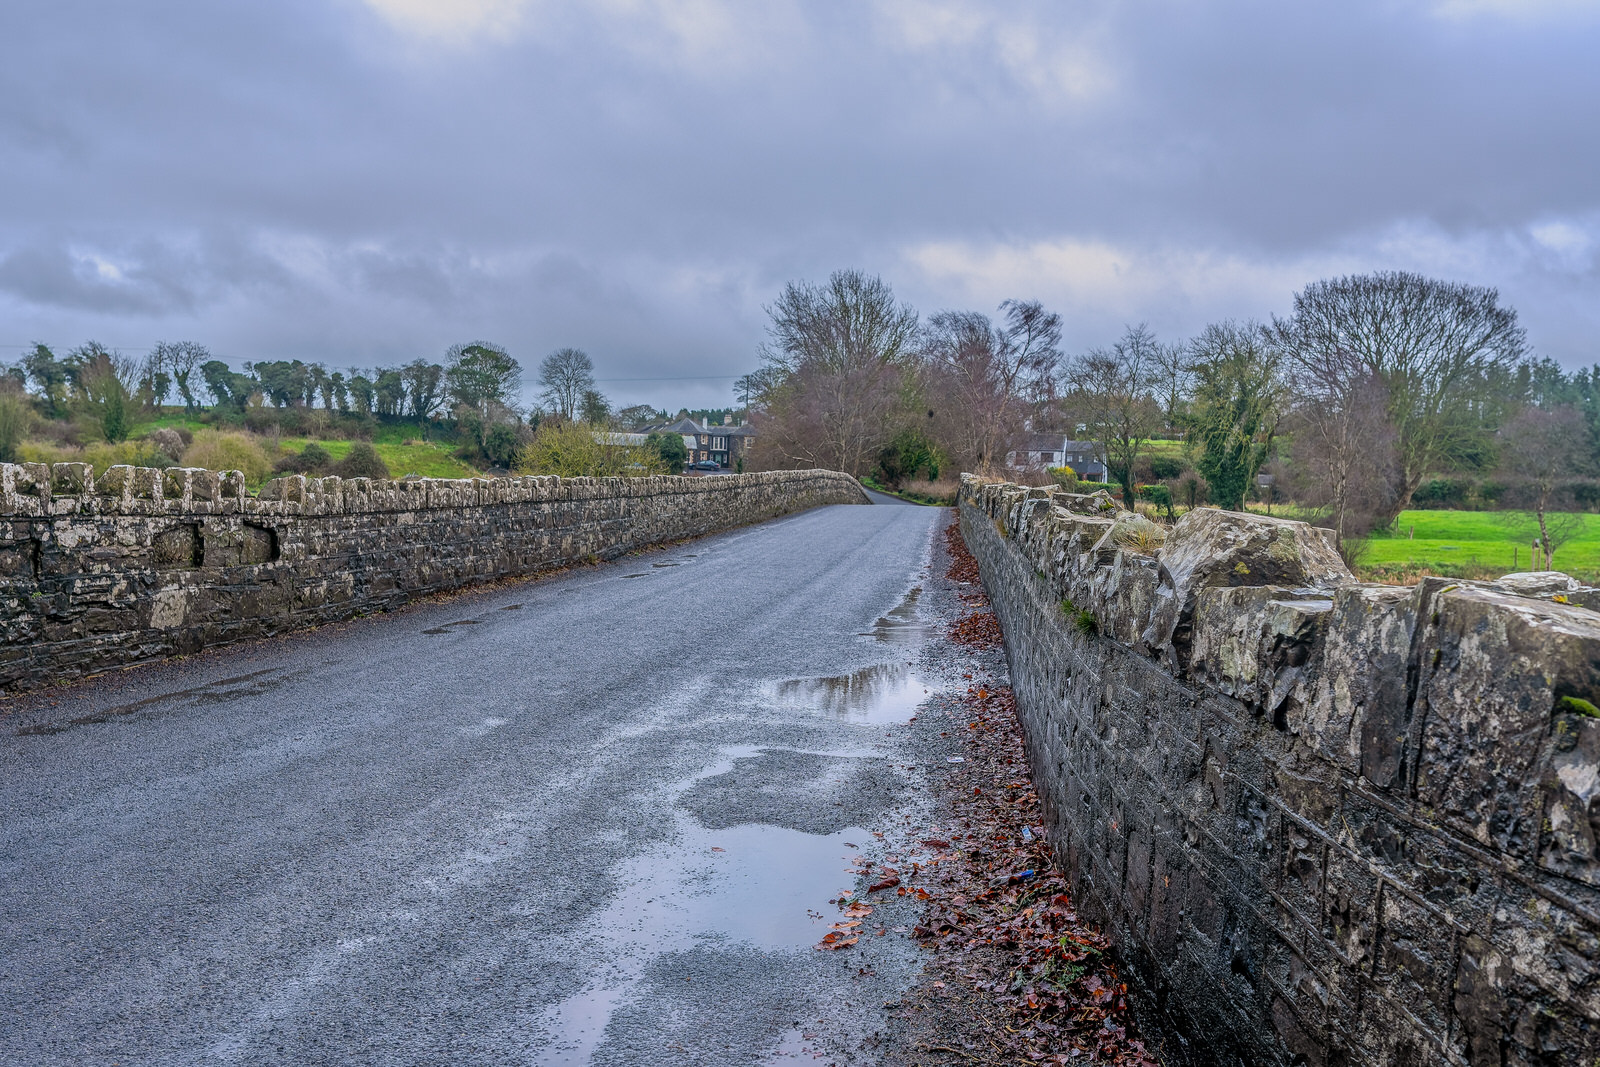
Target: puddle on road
(641, 574)
(251, 684)
(885, 692)
(902, 626)
(750, 887)
(672, 564)
(756, 886)
(511, 607)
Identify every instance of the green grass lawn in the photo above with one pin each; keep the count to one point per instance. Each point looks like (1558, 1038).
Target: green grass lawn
(431, 459)
(1478, 541)
(1466, 544)
(402, 448)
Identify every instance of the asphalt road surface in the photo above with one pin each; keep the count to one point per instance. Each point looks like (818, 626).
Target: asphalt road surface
(593, 818)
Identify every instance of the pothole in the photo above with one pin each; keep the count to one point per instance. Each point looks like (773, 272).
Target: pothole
(220, 691)
(459, 622)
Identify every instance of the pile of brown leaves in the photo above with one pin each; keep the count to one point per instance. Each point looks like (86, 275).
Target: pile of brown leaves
(980, 629)
(1001, 914)
(963, 565)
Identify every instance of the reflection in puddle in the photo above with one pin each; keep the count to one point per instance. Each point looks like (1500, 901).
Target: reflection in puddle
(666, 564)
(580, 1021)
(902, 626)
(754, 885)
(511, 607)
(887, 692)
(251, 684)
(641, 574)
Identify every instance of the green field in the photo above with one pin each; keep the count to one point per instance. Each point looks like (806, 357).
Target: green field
(1474, 543)
(401, 454)
(402, 448)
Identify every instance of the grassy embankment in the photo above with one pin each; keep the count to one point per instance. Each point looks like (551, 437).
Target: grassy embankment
(402, 448)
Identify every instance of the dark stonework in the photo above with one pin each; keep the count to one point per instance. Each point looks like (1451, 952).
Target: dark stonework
(137, 564)
(1326, 822)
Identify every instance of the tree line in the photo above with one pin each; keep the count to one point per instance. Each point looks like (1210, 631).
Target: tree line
(473, 391)
(1370, 392)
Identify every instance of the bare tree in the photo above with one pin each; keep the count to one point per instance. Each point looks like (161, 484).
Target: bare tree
(842, 354)
(1439, 349)
(564, 376)
(1172, 378)
(1112, 388)
(981, 378)
(1343, 445)
(1541, 448)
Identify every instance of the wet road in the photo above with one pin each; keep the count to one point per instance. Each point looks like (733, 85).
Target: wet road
(592, 818)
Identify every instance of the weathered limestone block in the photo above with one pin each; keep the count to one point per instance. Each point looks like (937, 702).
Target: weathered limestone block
(1211, 549)
(1494, 671)
(1355, 712)
(116, 482)
(1253, 644)
(71, 479)
(1549, 585)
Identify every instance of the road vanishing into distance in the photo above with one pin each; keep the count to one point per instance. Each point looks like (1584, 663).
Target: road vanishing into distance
(592, 818)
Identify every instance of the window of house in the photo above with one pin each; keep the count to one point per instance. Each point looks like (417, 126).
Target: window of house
(1048, 457)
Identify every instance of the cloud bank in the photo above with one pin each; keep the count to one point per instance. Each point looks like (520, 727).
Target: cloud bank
(365, 181)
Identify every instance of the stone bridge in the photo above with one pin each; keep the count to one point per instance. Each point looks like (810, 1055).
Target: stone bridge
(1329, 822)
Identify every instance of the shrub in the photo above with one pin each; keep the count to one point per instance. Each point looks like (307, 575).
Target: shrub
(1164, 467)
(1443, 493)
(361, 462)
(221, 450)
(576, 450)
(1066, 478)
(1159, 495)
(500, 445)
(670, 447)
(313, 459)
(15, 419)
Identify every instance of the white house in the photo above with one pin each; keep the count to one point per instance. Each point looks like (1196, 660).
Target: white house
(1041, 450)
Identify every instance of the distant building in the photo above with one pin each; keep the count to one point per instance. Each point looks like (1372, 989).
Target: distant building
(628, 440)
(724, 445)
(1039, 451)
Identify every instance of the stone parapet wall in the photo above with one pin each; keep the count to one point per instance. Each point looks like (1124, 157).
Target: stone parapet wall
(140, 563)
(1326, 822)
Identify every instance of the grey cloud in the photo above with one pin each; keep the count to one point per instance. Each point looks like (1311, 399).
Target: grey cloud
(302, 176)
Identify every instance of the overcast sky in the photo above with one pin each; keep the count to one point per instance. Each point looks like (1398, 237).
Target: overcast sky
(366, 181)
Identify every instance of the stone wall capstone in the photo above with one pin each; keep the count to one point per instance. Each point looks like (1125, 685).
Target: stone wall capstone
(141, 563)
(1326, 822)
